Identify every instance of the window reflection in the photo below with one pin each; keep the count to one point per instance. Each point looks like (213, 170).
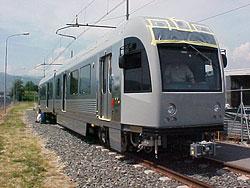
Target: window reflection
(85, 80)
(74, 82)
(184, 69)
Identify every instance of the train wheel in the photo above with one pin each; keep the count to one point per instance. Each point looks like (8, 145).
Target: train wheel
(148, 149)
(124, 142)
(102, 135)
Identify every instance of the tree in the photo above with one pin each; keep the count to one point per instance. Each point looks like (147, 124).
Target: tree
(30, 86)
(17, 90)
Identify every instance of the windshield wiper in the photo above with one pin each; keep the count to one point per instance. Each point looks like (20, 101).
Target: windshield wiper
(201, 54)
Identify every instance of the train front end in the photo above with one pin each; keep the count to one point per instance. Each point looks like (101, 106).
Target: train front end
(187, 99)
(192, 81)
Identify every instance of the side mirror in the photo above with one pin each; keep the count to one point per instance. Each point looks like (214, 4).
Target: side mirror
(122, 60)
(224, 59)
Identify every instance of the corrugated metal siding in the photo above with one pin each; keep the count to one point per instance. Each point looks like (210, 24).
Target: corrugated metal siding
(81, 105)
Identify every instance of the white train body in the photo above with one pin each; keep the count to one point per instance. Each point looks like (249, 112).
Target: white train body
(119, 86)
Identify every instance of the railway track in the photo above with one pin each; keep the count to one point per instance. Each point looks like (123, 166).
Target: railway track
(231, 167)
(168, 172)
(160, 167)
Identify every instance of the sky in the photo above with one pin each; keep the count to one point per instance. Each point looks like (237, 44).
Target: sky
(42, 18)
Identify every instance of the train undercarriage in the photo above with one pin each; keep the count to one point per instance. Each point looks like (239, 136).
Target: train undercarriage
(195, 141)
(196, 145)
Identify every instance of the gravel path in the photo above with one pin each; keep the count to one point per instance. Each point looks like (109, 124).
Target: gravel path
(91, 164)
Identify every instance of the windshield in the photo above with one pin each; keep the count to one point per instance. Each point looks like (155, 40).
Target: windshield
(189, 68)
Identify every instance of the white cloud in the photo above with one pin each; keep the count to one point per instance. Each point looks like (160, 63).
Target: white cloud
(239, 57)
(242, 53)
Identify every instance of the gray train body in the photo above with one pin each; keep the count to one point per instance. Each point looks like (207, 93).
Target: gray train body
(119, 89)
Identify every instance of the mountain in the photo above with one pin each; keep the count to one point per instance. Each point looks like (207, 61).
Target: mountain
(11, 78)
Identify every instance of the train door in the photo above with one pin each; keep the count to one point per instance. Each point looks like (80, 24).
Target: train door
(47, 95)
(64, 84)
(105, 86)
(54, 90)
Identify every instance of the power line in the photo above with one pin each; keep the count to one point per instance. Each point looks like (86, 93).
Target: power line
(100, 19)
(114, 8)
(143, 6)
(85, 7)
(79, 12)
(226, 12)
(113, 18)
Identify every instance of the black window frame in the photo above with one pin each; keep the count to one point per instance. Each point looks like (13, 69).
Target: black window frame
(80, 80)
(142, 84)
(58, 87)
(204, 50)
(43, 92)
(50, 90)
(72, 84)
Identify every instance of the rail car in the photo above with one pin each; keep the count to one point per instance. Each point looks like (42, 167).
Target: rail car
(153, 83)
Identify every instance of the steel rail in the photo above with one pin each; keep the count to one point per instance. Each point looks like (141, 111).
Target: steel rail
(231, 167)
(170, 173)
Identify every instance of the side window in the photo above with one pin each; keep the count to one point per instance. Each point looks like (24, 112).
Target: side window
(47, 91)
(136, 72)
(58, 87)
(85, 78)
(50, 90)
(74, 76)
(43, 93)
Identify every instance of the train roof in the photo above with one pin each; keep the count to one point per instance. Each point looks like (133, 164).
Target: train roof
(154, 30)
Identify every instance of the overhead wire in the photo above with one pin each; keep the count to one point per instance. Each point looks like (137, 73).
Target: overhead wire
(101, 19)
(113, 18)
(123, 15)
(85, 7)
(143, 6)
(78, 13)
(114, 8)
(226, 12)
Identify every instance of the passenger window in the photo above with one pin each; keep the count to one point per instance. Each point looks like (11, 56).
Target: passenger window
(85, 78)
(136, 71)
(50, 90)
(43, 93)
(74, 82)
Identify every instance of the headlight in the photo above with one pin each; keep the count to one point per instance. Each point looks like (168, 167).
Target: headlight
(217, 107)
(171, 109)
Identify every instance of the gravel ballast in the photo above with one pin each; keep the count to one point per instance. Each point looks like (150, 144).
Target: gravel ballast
(94, 166)
(91, 164)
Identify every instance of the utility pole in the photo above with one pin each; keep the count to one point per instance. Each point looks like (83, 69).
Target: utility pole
(44, 68)
(127, 15)
(44, 64)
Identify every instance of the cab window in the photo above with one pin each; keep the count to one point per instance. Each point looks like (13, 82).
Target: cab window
(136, 71)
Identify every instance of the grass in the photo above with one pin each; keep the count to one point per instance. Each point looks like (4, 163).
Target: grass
(23, 161)
(21, 164)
